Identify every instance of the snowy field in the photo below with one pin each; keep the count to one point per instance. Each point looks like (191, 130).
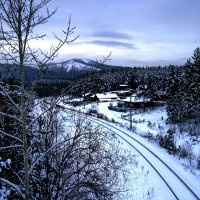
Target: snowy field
(151, 121)
(146, 184)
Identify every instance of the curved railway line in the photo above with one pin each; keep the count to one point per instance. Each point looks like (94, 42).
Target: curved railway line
(181, 183)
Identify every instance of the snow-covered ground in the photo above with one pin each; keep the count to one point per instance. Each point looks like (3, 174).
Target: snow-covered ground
(146, 184)
(151, 121)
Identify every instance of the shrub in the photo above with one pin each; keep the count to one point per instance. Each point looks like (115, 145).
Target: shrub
(183, 153)
(198, 164)
(167, 141)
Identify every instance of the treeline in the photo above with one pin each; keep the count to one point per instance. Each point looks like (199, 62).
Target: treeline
(183, 91)
(148, 79)
(50, 87)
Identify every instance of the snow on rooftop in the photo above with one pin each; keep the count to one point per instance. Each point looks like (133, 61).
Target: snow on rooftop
(136, 99)
(106, 96)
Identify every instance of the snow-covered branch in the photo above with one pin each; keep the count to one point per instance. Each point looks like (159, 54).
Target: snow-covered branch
(45, 111)
(11, 146)
(52, 147)
(12, 136)
(10, 98)
(13, 186)
(11, 116)
(54, 103)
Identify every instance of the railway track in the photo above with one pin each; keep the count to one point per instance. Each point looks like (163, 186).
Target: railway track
(173, 181)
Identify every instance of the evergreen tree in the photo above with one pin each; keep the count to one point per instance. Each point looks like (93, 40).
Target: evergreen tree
(192, 76)
(183, 91)
(175, 93)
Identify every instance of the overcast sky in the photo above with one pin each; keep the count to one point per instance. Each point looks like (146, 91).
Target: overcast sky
(138, 32)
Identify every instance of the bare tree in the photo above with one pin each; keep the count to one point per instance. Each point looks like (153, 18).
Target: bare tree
(86, 163)
(18, 21)
(80, 162)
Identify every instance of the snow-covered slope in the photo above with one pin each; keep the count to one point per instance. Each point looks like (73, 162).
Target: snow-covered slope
(77, 65)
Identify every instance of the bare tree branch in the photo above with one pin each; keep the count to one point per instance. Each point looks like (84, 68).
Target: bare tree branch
(11, 116)
(12, 136)
(10, 98)
(10, 147)
(13, 186)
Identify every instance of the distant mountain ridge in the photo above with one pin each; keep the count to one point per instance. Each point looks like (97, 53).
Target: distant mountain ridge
(82, 65)
(75, 65)
(69, 69)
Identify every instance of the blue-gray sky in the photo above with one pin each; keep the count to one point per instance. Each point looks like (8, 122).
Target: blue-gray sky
(138, 32)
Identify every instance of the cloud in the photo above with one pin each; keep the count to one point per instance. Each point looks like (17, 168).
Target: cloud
(113, 44)
(111, 34)
(135, 62)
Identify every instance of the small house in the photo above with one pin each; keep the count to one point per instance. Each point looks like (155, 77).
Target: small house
(87, 97)
(125, 93)
(137, 102)
(103, 97)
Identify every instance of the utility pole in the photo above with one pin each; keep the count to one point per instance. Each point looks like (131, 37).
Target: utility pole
(123, 86)
(84, 98)
(130, 113)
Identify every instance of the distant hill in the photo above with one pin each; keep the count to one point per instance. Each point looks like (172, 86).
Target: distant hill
(63, 70)
(76, 67)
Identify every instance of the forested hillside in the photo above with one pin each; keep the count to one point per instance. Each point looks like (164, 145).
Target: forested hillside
(147, 79)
